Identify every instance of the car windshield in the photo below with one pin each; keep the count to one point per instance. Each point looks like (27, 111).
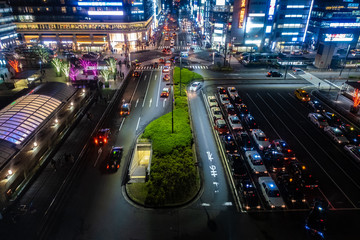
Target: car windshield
(235, 121)
(212, 100)
(256, 161)
(225, 99)
(221, 125)
(274, 193)
(125, 108)
(217, 112)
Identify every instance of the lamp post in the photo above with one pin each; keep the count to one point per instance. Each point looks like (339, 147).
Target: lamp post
(180, 72)
(213, 58)
(172, 104)
(40, 66)
(347, 53)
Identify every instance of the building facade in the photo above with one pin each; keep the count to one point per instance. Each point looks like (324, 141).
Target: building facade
(86, 25)
(7, 27)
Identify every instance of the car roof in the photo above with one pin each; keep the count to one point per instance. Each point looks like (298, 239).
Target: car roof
(222, 121)
(269, 182)
(165, 89)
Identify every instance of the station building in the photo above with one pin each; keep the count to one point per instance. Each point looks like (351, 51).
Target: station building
(86, 25)
(30, 127)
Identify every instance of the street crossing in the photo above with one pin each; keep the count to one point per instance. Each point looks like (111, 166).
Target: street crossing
(150, 67)
(180, 47)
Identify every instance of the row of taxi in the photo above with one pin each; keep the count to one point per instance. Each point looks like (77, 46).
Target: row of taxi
(339, 131)
(271, 166)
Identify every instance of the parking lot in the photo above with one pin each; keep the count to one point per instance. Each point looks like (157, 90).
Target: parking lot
(295, 160)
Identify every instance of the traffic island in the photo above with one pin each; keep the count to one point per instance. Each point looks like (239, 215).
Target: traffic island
(174, 179)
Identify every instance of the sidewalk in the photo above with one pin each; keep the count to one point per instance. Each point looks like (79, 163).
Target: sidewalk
(28, 210)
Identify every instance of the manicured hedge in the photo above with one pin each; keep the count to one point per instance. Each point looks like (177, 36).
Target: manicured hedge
(173, 174)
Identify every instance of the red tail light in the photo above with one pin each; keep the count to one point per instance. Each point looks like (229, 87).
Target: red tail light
(289, 150)
(105, 140)
(107, 167)
(96, 141)
(118, 166)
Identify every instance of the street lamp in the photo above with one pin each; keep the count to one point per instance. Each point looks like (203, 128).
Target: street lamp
(40, 66)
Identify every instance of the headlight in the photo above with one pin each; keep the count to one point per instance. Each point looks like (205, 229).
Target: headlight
(265, 171)
(272, 206)
(283, 206)
(304, 200)
(293, 200)
(339, 141)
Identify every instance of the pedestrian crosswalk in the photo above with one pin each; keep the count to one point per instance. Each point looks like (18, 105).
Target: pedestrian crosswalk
(150, 67)
(198, 67)
(180, 47)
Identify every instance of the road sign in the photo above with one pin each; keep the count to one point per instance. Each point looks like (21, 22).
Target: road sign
(184, 54)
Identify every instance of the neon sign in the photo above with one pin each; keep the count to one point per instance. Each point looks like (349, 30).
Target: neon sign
(99, 4)
(242, 14)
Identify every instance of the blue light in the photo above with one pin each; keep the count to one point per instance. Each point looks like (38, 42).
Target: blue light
(103, 4)
(307, 227)
(271, 185)
(320, 208)
(355, 140)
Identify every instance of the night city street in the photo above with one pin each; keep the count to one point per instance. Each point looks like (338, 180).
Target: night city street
(179, 119)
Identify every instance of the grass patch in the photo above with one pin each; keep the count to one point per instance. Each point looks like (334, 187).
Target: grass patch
(173, 178)
(137, 192)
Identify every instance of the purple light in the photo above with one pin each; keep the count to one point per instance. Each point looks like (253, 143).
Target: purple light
(73, 72)
(94, 69)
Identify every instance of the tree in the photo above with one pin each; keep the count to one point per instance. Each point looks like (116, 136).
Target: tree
(14, 64)
(112, 65)
(57, 64)
(43, 54)
(105, 73)
(85, 64)
(65, 68)
(73, 72)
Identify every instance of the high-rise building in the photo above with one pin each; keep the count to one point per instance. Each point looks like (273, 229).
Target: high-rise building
(7, 27)
(87, 24)
(334, 27)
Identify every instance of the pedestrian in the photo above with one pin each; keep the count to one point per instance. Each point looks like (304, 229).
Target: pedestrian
(21, 67)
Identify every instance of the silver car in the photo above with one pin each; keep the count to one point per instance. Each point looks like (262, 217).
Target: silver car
(318, 120)
(224, 99)
(212, 101)
(260, 139)
(353, 151)
(255, 162)
(216, 113)
(232, 91)
(271, 192)
(336, 134)
(235, 123)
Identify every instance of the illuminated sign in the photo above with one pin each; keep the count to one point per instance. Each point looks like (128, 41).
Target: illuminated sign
(106, 13)
(219, 25)
(344, 24)
(272, 8)
(268, 29)
(242, 14)
(220, 2)
(338, 37)
(257, 15)
(99, 4)
(137, 11)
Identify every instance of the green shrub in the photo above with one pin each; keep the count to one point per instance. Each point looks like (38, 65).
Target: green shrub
(173, 173)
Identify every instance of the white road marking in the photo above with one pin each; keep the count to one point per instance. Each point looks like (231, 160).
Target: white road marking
(136, 87)
(137, 126)
(122, 123)
(147, 90)
(205, 204)
(164, 103)
(99, 154)
(227, 204)
(136, 102)
(158, 96)
(150, 102)
(291, 75)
